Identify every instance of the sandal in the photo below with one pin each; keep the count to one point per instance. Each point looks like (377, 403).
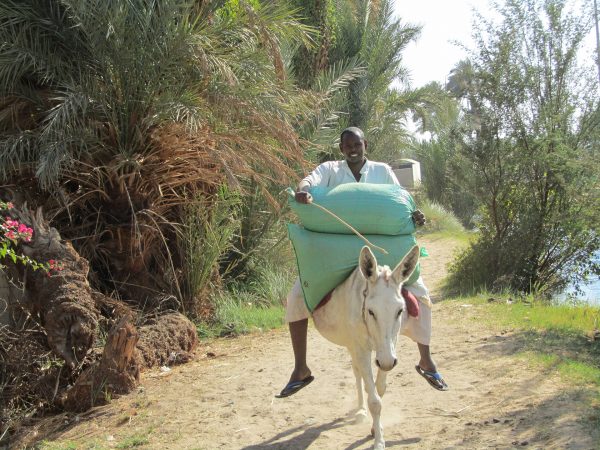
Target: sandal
(433, 378)
(294, 386)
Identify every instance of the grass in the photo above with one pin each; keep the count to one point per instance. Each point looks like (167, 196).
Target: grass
(68, 445)
(533, 314)
(560, 338)
(45, 445)
(239, 314)
(255, 305)
(136, 440)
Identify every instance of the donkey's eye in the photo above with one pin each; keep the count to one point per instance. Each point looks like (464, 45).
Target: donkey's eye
(371, 313)
(399, 313)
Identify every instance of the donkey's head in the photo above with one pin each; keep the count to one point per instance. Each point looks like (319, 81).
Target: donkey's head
(384, 308)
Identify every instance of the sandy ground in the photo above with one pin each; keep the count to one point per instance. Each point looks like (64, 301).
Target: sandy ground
(225, 398)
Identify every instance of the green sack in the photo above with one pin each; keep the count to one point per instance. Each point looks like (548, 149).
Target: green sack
(369, 208)
(325, 260)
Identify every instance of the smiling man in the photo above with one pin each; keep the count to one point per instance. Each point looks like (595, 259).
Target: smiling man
(356, 168)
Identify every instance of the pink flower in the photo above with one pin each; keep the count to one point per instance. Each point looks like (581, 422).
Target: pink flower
(11, 223)
(11, 235)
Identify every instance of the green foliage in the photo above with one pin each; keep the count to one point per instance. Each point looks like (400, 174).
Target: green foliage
(363, 62)
(114, 71)
(369, 33)
(254, 304)
(231, 9)
(310, 59)
(526, 153)
(438, 156)
(208, 227)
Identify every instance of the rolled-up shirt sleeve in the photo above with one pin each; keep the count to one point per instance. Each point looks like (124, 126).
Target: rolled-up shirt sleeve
(319, 176)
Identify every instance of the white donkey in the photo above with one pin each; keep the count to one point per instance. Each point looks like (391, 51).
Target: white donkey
(365, 314)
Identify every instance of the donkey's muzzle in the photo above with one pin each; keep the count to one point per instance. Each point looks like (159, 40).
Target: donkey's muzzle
(386, 368)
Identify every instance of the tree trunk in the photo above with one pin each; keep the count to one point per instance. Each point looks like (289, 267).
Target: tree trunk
(117, 372)
(70, 313)
(63, 301)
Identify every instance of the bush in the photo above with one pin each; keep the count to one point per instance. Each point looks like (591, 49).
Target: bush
(439, 219)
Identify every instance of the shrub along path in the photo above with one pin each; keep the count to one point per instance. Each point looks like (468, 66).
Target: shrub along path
(224, 398)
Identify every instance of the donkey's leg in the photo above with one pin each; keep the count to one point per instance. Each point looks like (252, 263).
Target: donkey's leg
(381, 382)
(361, 411)
(363, 361)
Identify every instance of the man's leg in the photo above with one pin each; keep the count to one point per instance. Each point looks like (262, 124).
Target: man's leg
(419, 330)
(296, 315)
(426, 362)
(298, 334)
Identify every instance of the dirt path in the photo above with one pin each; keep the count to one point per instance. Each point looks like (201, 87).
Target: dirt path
(224, 399)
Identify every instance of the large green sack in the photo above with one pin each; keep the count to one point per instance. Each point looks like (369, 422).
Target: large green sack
(325, 260)
(369, 208)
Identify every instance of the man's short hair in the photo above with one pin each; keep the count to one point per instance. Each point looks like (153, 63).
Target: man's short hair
(353, 130)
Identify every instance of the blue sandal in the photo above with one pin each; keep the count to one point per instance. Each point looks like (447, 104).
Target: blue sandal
(294, 386)
(433, 378)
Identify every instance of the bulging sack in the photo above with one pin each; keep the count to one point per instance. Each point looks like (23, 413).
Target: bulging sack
(325, 260)
(369, 208)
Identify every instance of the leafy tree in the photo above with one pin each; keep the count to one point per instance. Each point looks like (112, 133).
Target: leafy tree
(438, 153)
(528, 155)
(368, 32)
(364, 63)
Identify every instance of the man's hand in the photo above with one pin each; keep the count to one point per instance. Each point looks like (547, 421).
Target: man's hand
(303, 197)
(418, 217)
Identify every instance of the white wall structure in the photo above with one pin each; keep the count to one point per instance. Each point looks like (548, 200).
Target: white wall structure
(408, 172)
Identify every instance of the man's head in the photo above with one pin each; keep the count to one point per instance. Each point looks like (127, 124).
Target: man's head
(353, 145)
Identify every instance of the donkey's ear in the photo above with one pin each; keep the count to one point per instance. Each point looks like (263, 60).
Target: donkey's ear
(405, 268)
(367, 264)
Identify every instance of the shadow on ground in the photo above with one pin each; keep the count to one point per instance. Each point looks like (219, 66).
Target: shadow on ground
(308, 435)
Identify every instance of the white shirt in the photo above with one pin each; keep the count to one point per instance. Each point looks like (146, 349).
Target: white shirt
(334, 173)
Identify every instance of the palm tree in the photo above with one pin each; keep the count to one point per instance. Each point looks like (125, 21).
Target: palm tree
(122, 112)
(368, 35)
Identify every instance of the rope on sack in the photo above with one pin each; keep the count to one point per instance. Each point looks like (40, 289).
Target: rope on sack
(370, 244)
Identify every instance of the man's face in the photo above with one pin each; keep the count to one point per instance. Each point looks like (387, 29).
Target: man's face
(353, 148)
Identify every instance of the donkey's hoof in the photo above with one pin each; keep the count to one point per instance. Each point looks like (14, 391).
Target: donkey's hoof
(379, 445)
(360, 416)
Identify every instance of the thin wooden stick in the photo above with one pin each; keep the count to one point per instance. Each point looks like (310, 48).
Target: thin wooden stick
(382, 250)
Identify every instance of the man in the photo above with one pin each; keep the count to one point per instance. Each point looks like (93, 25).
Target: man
(356, 168)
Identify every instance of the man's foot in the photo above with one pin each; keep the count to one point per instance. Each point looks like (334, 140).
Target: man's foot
(294, 386)
(433, 377)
